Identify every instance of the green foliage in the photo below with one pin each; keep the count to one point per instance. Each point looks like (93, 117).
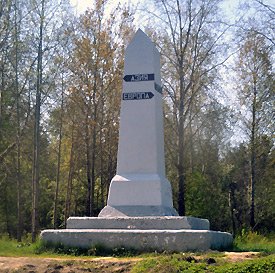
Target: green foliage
(252, 241)
(10, 247)
(169, 263)
(262, 265)
(45, 247)
(205, 189)
(96, 250)
(179, 263)
(99, 250)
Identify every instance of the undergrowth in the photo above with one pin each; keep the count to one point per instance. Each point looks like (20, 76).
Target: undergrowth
(96, 250)
(178, 263)
(252, 241)
(10, 247)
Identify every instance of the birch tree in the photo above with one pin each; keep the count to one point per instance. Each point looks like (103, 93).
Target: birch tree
(256, 92)
(190, 36)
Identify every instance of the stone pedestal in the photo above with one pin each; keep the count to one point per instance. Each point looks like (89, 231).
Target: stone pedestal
(170, 233)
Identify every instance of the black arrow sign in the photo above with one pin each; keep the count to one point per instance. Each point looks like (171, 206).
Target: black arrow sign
(158, 88)
(137, 96)
(139, 77)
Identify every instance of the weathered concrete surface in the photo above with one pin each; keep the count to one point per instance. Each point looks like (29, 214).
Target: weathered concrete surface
(141, 143)
(142, 223)
(140, 190)
(159, 240)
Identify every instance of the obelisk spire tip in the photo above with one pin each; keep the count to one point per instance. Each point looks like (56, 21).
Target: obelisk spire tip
(140, 39)
(140, 32)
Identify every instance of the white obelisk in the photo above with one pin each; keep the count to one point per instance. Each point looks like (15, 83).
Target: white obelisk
(139, 212)
(140, 187)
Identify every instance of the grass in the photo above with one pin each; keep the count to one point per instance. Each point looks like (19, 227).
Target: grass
(214, 262)
(10, 247)
(179, 263)
(96, 250)
(252, 241)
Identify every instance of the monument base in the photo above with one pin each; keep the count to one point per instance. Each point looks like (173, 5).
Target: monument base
(142, 233)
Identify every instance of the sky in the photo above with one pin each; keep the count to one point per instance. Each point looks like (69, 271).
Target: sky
(228, 6)
(81, 5)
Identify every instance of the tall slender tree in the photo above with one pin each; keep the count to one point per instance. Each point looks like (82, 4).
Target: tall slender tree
(18, 127)
(60, 135)
(36, 147)
(256, 81)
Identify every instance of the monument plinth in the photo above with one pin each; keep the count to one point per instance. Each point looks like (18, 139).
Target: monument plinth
(139, 212)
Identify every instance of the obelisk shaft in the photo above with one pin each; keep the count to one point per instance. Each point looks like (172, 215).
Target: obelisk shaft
(141, 147)
(140, 187)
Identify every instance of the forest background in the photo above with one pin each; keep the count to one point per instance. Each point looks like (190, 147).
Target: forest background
(60, 90)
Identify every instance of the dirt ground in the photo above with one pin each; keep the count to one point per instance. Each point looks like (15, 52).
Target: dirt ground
(77, 265)
(63, 265)
(240, 256)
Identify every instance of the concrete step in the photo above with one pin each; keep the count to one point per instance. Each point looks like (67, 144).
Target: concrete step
(142, 223)
(150, 240)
